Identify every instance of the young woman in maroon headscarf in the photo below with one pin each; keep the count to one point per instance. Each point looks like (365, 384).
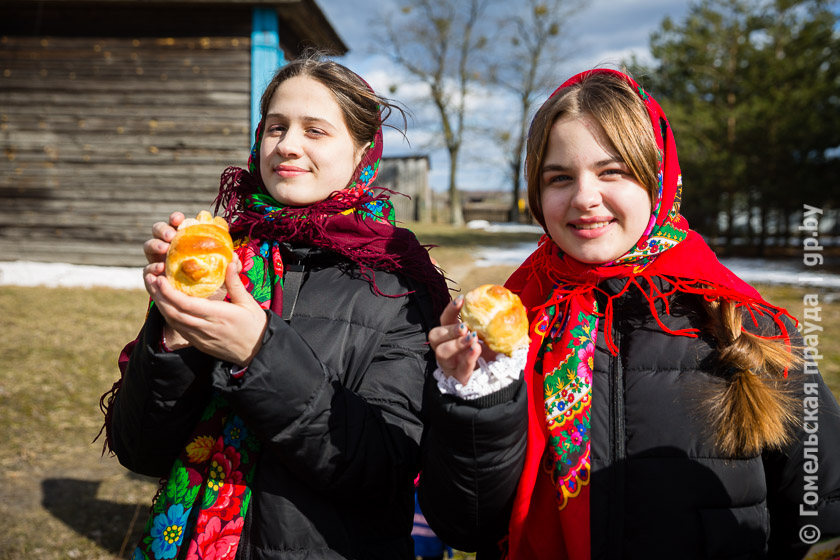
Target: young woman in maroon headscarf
(659, 414)
(285, 420)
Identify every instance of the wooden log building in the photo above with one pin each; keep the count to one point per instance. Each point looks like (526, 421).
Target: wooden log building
(408, 175)
(113, 113)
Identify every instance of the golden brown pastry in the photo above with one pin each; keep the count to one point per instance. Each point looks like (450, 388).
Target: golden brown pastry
(497, 316)
(199, 255)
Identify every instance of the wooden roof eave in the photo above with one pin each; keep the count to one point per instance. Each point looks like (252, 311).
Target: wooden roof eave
(304, 21)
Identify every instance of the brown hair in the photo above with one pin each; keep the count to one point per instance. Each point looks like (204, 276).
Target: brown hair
(364, 111)
(612, 103)
(752, 409)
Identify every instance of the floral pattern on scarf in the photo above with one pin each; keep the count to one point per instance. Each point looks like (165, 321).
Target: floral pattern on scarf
(204, 500)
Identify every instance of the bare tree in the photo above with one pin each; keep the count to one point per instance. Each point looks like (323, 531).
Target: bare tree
(527, 66)
(434, 40)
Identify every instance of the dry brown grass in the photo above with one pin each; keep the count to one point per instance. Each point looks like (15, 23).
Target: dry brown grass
(60, 498)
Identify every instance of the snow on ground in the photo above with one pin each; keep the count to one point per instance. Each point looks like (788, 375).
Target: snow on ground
(500, 227)
(23, 273)
(511, 255)
(768, 271)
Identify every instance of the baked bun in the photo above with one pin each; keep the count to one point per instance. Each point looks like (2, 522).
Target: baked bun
(199, 255)
(497, 316)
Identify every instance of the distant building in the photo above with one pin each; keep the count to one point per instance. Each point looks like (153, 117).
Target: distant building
(113, 113)
(408, 175)
(493, 206)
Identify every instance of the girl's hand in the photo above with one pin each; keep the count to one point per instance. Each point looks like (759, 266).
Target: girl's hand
(456, 349)
(230, 331)
(155, 248)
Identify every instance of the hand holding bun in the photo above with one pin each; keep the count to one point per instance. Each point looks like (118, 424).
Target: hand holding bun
(497, 316)
(199, 255)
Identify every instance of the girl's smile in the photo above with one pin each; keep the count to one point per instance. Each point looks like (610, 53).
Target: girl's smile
(288, 171)
(591, 228)
(595, 210)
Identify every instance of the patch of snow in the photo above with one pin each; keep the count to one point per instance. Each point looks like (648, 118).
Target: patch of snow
(52, 275)
(510, 255)
(767, 271)
(500, 227)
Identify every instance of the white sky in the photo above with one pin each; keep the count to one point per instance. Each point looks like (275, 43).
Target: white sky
(605, 33)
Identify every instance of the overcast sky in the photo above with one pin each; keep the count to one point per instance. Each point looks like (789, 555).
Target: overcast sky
(604, 33)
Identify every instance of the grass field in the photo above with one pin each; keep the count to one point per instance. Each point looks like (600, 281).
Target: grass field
(59, 498)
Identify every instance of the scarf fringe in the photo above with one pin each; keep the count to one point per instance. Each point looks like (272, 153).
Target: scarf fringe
(568, 287)
(311, 224)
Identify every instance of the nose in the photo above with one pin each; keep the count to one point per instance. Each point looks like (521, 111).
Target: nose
(586, 194)
(289, 145)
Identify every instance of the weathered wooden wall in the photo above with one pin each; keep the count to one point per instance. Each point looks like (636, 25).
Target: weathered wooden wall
(102, 135)
(115, 114)
(409, 176)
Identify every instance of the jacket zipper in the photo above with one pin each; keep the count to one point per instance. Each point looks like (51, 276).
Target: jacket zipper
(618, 451)
(293, 275)
(243, 551)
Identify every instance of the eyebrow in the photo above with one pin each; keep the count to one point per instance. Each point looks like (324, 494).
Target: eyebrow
(601, 163)
(307, 119)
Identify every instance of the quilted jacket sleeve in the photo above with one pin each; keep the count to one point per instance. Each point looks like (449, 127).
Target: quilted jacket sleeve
(159, 402)
(473, 452)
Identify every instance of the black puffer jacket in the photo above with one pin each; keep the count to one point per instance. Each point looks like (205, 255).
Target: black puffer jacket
(335, 397)
(659, 486)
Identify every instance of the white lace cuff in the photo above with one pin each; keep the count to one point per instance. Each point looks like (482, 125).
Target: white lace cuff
(487, 378)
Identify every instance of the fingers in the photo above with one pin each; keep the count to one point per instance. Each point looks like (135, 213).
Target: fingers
(187, 306)
(150, 273)
(235, 288)
(450, 313)
(178, 308)
(457, 358)
(448, 348)
(175, 219)
(155, 250)
(445, 333)
(162, 233)
(188, 316)
(155, 269)
(230, 331)
(456, 350)
(229, 285)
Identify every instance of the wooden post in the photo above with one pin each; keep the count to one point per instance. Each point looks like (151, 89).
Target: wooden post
(266, 56)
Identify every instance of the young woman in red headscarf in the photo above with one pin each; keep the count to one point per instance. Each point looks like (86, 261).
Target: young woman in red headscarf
(285, 419)
(658, 410)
